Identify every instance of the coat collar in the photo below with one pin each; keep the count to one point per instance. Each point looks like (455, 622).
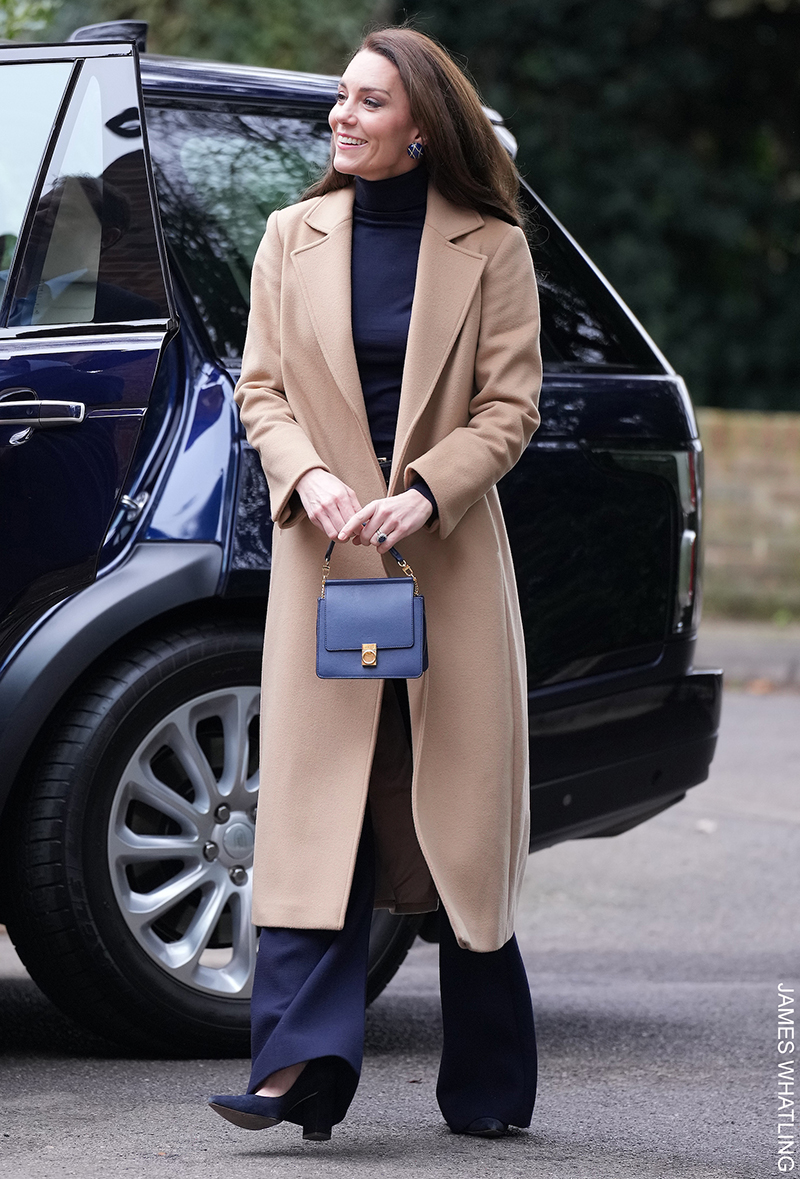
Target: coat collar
(451, 221)
(447, 275)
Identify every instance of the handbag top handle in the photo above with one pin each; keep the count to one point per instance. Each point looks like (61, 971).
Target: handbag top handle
(401, 561)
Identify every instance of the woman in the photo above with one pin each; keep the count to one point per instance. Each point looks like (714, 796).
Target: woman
(393, 339)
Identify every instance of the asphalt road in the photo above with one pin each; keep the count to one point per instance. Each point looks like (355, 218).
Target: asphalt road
(654, 961)
(757, 655)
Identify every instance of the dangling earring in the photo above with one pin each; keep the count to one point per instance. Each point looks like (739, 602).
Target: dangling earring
(416, 151)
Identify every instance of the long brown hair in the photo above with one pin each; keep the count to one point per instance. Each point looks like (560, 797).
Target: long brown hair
(465, 160)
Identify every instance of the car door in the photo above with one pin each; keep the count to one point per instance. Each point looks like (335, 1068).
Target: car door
(86, 312)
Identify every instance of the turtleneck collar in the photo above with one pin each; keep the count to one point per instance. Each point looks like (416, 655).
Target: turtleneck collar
(409, 190)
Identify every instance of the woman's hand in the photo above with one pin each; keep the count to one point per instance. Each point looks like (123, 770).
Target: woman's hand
(396, 517)
(328, 502)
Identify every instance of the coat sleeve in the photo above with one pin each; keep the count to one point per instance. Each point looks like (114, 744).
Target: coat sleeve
(285, 450)
(503, 412)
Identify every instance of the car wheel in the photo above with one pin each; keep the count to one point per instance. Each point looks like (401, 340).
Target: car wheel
(133, 846)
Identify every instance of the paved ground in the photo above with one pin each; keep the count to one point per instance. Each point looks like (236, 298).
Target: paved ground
(756, 655)
(654, 961)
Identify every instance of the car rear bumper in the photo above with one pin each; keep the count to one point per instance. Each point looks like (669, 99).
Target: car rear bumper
(601, 766)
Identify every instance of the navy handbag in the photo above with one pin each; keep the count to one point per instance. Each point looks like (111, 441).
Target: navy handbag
(372, 627)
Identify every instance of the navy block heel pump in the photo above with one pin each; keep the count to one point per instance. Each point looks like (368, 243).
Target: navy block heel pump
(309, 1103)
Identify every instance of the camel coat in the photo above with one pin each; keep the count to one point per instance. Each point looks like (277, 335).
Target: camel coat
(459, 830)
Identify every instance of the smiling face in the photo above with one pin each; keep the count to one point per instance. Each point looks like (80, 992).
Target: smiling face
(371, 121)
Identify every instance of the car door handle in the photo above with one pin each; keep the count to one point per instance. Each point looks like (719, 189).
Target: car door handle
(41, 413)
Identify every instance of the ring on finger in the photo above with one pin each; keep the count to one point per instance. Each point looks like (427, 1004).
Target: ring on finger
(382, 537)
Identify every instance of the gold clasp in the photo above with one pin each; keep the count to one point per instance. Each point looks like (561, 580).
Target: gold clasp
(369, 654)
(409, 572)
(326, 568)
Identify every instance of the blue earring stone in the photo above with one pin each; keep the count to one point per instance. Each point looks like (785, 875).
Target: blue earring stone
(416, 151)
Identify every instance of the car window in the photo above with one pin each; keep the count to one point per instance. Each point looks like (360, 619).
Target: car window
(30, 95)
(91, 255)
(584, 327)
(219, 176)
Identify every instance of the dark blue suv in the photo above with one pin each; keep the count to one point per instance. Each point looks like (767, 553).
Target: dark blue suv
(135, 537)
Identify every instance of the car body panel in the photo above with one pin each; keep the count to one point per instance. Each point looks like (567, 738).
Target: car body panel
(155, 580)
(65, 483)
(86, 312)
(195, 503)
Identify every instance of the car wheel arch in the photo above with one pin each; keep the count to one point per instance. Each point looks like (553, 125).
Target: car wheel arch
(158, 585)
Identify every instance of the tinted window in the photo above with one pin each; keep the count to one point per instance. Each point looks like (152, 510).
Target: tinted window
(30, 95)
(583, 325)
(593, 561)
(91, 256)
(219, 176)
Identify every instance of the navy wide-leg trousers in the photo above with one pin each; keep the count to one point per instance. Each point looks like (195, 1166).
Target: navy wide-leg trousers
(309, 998)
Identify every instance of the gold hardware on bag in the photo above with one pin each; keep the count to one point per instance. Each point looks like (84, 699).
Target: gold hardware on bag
(326, 568)
(369, 654)
(409, 572)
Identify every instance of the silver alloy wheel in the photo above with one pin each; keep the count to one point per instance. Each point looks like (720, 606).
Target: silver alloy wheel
(180, 841)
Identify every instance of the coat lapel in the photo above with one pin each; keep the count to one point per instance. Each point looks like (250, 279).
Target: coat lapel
(447, 276)
(323, 268)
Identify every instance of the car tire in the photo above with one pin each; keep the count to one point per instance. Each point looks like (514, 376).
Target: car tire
(131, 852)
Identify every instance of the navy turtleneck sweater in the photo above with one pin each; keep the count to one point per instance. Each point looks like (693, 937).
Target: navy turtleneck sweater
(388, 216)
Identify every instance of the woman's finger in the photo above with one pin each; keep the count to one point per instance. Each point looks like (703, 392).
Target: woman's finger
(339, 512)
(354, 527)
(327, 500)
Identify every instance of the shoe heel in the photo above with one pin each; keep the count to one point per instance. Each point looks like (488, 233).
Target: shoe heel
(318, 1118)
